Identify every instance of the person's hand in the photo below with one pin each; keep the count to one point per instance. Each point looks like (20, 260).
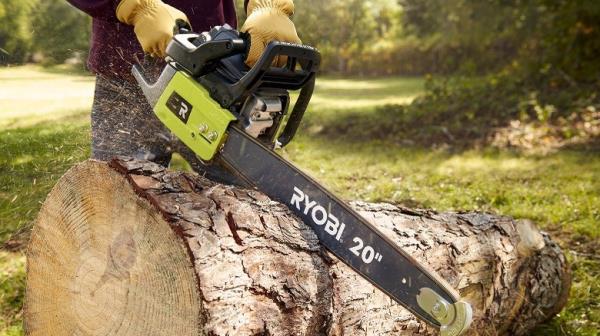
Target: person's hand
(269, 20)
(154, 23)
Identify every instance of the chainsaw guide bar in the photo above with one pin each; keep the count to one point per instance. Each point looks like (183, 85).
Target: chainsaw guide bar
(226, 112)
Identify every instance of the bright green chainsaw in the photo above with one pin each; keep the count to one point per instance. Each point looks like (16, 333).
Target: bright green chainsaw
(226, 112)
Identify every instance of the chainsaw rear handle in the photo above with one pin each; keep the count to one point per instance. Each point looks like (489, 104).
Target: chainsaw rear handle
(196, 52)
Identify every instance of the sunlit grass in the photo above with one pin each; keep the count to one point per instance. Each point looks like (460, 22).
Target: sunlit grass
(31, 161)
(340, 94)
(12, 284)
(30, 95)
(42, 138)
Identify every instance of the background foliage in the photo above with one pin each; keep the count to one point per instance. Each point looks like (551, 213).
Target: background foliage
(15, 34)
(48, 31)
(59, 32)
(558, 37)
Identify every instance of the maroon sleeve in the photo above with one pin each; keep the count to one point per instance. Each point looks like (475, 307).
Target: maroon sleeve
(101, 9)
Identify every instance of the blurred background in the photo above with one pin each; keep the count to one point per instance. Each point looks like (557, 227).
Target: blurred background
(453, 105)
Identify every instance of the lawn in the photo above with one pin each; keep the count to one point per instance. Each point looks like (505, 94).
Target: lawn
(44, 130)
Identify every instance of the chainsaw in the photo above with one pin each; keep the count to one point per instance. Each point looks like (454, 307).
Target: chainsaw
(238, 116)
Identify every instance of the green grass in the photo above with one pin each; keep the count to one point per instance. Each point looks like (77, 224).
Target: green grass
(44, 130)
(12, 289)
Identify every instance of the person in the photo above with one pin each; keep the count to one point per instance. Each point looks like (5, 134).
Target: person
(124, 31)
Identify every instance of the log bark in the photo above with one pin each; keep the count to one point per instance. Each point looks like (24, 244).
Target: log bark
(133, 249)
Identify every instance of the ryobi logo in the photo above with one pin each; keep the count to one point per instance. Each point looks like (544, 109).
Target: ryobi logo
(179, 106)
(319, 215)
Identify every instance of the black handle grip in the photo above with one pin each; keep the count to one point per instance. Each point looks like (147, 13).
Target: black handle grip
(291, 127)
(195, 53)
(299, 73)
(302, 63)
(182, 27)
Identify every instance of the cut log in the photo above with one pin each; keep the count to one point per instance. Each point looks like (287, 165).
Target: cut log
(133, 249)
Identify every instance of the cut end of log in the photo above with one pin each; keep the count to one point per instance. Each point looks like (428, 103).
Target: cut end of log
(102, 262)
(133, 249)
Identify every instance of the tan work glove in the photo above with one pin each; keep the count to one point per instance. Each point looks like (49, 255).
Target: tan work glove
(269, 20)
(153, 21)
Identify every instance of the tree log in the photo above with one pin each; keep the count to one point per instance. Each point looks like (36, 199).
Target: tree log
(133, 249)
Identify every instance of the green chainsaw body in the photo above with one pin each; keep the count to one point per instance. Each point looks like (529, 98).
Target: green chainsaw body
(188, 110)
(206, 86)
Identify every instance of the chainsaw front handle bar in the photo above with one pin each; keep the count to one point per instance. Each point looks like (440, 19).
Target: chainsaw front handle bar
(299, 73)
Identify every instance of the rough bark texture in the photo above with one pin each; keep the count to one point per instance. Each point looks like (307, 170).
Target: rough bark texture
(133, 249)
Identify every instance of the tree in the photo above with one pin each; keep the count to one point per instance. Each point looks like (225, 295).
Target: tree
(344, 30)
(15, 36)
(486, 36)
(61, 32)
